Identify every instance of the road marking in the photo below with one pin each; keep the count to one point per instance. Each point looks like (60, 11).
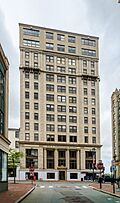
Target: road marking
(117, 201)
(50, 186)
(109, 199)
(42, 186)
(84, 186)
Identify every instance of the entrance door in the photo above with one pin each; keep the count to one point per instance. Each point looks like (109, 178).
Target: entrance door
(61, 175)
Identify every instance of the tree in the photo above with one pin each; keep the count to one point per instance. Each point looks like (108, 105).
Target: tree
(14, 160)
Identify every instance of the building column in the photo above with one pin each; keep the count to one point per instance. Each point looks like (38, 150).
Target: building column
(44, 158)
(67, 158)
(40, 158)
(56, 158)
(78, 159)
(82, 159)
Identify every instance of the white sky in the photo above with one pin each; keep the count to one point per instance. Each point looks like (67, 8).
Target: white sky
(94, 17)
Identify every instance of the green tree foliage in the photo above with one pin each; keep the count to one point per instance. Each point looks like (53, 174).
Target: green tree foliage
(14, 160)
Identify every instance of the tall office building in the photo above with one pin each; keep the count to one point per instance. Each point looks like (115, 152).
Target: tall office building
(59, 103)
(115, 109)
(4, 142)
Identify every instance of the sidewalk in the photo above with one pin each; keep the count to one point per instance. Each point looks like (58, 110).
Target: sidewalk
(106, 187)
(15, 191)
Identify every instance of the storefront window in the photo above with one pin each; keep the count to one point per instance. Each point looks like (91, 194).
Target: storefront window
(3, 166)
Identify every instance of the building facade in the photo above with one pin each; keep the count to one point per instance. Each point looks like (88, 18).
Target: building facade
(115, 111)
(13, 136)
(4, 142)
(59, 103)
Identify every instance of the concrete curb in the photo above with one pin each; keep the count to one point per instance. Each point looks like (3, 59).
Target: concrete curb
(25, 195)
(106, 192)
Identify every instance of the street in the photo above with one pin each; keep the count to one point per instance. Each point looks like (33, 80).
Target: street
(68, 192)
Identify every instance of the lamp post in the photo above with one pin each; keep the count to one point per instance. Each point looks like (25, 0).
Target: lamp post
(94, 162)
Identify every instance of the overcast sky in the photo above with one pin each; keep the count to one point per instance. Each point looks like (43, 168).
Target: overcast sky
(93, 17)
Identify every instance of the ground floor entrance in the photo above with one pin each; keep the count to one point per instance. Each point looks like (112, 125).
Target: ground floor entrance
(61, 175)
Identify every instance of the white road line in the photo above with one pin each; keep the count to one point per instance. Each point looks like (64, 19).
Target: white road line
(84, 186)
(117, 201)
(77, 187)
(109, 199)
(42, 186)
(50, 186)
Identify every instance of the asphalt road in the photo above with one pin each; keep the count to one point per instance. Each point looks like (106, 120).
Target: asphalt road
(68, 192)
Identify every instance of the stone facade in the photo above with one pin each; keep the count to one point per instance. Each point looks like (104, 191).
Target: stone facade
(59, 102)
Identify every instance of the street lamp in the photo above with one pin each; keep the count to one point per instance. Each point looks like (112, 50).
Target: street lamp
(93, 162)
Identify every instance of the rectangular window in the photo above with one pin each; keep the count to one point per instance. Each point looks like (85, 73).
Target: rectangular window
(26, 95)
(93, 139)
(72, 80)
(49, 87)
(85, 110)
(16, 144)
(49, 35)
(49, 46)
(61, 158)
(86, 120)
(50, 159)
(50, 127)
(61, 118)
(17, 134)
(26, 75)
(50, 97)
(26, 84)
(36, 126)
(93, 111)
(31, 43)
(60, 37)
(31, 32)
(93, 130)
(27, 105)
(85, 101)
(36, 56)
(60, 47)
(49, 77)
(85, 71)
(60, 69)
(61, 108)
(92, 64)
(89, 52)
(61, 138)
(35, 86)
(50, 107)
(72, 70)
(93, 83)
(35, 76)
(36, 116)
(27, 136)
(93, 92)
(73, 159)
(85, 129)
(93, 120)
(27, 115)
(50, 137)
(71, 39)
(72, 50)
(92, 72)
(72, 100)
(85, 91)
(35, 65)
(86, 139)
(73, 119)
(93, 102)
(61, 79)
(72, 90)
(60, 60)
(84, 63)
(27, 55)
(73, 129)
(50, 175)
(73, 175)
(72, 109)
(26, 63)
(35, 95)
(36, 106)
(61, 88)
(31, 158)
(85, 82)
(50, 68)
(27, 126)
(71, 62)
(50, 117)
(36, 137)
(88, 42)
(49, 58)
(61, 128)
(61, 98)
